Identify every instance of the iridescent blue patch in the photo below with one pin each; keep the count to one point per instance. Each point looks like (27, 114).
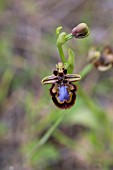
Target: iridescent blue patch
(63, 94)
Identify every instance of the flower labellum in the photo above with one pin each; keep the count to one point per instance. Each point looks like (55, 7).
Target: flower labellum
(63, 91)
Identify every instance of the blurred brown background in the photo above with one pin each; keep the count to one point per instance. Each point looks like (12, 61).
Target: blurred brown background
(27, 54)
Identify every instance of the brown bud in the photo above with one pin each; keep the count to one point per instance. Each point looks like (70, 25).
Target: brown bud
(80, 31)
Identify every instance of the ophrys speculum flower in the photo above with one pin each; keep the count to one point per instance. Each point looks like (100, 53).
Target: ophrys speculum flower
(63, 91)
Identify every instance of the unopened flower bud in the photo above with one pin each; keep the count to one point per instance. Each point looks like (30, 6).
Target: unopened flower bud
(80, 31)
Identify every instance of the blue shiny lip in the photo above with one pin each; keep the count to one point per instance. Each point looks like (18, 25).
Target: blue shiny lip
(63, 94)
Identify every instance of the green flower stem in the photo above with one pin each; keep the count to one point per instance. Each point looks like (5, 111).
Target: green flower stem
(62, 56)
(60, 41)
(62, 38)
(69, 37)
(87, 69)
(44, 139)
